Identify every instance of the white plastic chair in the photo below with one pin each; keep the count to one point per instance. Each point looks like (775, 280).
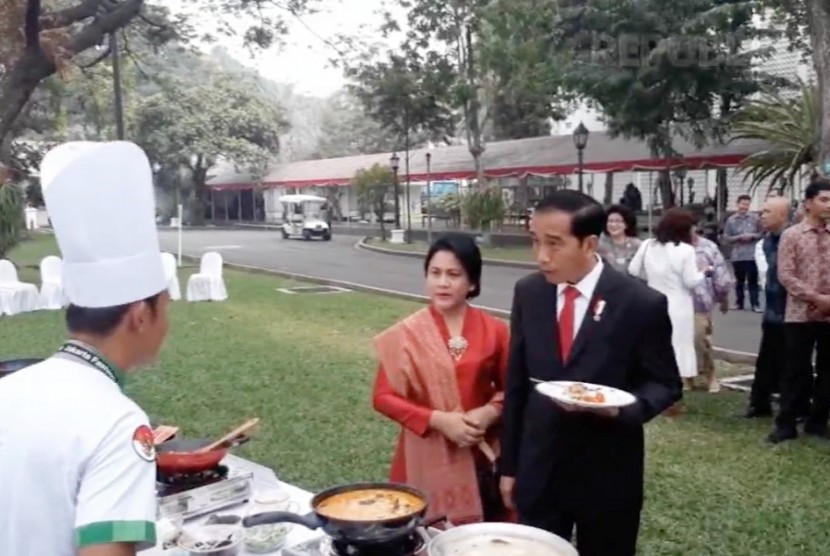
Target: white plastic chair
(171, 271)
(208, 284)
(15, 296)
(52, 296)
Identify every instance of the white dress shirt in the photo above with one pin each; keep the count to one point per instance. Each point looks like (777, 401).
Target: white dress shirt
(761, 263)
(586, 288)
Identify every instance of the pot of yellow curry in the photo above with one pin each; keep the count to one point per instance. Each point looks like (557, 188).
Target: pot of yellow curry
(357, 513)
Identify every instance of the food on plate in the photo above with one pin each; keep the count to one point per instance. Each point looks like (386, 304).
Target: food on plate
(493, 545)
(370, 504)
(212, 540)
(581, 393)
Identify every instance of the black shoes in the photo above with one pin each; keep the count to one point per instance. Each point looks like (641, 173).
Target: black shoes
(782, 434)
(816, 429)
(758, 412)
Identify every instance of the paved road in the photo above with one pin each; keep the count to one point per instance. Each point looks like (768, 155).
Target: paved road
(339, 260)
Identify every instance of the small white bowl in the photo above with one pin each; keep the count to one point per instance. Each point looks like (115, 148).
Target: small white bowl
(168, 528)
(265, 539)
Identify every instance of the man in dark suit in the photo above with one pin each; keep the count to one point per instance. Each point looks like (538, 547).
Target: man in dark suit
(577, 319)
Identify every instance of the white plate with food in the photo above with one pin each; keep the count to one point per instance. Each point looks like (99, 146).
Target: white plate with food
(585, 394)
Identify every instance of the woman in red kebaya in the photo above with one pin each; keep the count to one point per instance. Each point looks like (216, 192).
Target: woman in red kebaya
(441, 377)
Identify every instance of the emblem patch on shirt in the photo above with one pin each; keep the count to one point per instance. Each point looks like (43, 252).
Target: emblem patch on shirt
(144, 444)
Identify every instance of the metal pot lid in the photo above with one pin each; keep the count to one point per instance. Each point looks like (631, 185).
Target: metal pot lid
(474, 538)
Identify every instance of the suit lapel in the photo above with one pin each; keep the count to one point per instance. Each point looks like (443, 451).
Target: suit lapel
(592, 323)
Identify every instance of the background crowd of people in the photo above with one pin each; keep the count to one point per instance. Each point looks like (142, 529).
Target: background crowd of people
(783, 252)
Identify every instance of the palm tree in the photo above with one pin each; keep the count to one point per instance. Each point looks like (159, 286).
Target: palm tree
(790, 126)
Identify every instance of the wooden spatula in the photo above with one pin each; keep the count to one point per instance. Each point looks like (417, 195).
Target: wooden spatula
(238, 431)
(163, 433)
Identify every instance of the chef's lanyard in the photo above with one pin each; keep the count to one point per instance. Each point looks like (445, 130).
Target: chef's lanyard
(91, 358)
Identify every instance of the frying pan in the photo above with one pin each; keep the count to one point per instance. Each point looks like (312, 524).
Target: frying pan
(179, 456)
(353, 532)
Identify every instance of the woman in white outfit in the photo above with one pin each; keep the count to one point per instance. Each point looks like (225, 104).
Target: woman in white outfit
(669, 265)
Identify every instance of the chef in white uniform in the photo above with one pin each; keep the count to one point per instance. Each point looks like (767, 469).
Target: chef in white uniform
(77, 459)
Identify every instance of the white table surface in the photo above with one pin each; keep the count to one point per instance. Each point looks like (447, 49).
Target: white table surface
(264, 479)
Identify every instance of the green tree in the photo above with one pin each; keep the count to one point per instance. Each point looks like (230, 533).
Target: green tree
(373, 187)
(197, 127)
(346, 129)
(807, 24)
(11, 211)
(519, 49)
(790, 126)
(448, 33)
(659, 69)
(405, 94)
(38, 39)
(484, 208)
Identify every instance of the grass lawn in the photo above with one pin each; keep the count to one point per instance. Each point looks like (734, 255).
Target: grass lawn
(521, 254)
(304, 365)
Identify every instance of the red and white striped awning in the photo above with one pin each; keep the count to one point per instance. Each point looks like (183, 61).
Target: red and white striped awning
(538, 156)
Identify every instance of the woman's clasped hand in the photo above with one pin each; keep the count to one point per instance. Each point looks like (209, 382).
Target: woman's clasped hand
(464, 429)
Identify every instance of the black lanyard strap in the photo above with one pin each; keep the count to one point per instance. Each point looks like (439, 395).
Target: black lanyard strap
(88, 356)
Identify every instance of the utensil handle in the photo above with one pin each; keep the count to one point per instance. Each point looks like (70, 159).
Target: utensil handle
(309, 521)
(240, 430)
(163, 433)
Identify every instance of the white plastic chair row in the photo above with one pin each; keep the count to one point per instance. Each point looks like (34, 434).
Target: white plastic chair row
(52, 296)
(171, 270)
(20, 297)
(208, 284)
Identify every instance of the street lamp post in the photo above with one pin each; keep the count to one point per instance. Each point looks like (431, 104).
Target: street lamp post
(681, 178)
(429, 198)
(580, 141)
(408, 202)
(395, 163)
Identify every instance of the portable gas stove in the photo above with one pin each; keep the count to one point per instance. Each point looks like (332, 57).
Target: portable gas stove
(411, 545)
(194, 494)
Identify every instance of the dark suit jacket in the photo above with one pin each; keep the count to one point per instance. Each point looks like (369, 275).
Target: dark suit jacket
(577, 462)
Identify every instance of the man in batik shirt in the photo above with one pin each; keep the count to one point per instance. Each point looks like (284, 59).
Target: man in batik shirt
(714, 290)
(803, 260)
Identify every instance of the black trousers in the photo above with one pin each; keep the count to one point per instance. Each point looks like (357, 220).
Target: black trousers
(801, 340)
(769, 366)
(604, 534)
(746, 275)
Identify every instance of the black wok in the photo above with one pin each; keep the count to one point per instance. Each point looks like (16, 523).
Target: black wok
(11, 365)
(354, 532)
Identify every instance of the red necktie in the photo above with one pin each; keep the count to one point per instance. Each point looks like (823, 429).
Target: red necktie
(566, 322)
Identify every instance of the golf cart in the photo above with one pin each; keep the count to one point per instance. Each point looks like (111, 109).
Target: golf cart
(305, 216)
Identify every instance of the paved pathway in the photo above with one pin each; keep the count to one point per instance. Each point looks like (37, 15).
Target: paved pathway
(339, 260)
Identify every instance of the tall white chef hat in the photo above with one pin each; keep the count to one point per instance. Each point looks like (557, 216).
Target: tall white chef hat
(100, 199)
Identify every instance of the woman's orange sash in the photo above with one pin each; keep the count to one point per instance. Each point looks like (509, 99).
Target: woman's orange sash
(419, 367)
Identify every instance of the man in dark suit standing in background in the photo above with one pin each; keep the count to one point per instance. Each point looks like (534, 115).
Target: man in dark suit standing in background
(562, 466)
